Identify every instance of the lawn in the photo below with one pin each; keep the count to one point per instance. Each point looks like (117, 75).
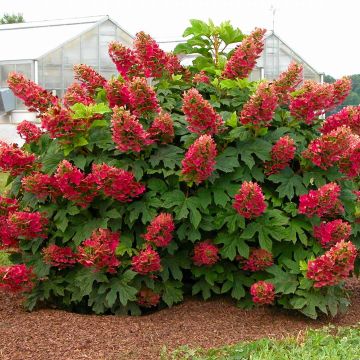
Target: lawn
(326, 344)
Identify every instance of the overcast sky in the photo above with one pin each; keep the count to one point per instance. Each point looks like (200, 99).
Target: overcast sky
(325, 33)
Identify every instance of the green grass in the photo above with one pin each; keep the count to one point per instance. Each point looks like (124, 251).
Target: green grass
(326, 344)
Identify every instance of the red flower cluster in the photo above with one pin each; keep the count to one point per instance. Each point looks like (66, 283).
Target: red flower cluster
(314, 99)
(348, 116)
(59, 257)
(28, 131)
(144, 97)
(250, 201)
(200, 115)
(127, 132)
(330, 233)
(282, 153)
(243, 60)
(259, 259)
(99, 250)
(34, 96)
(323, 202)
(199, 161)
(327, 150)
(77, 93)
(125, 60)
(41, 185)
(15, 160)
(349, 164)
(162, 128)
(146, 261)
(7, 206)
(59, 123)
(27, 225)
(334, 266)
(260, 108)
(74, 185)
(89, 77)
(287, 82)
(262, 292)
(16, 278)
(149, 54)
(117, 183)
(160, 230)
(205, 253)
(118, 93)
(147, 298)
(201, 77)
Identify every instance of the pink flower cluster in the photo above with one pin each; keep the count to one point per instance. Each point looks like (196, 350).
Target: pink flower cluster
(327, 150)
(146, 59)
(330, 233)
(334, 266)
(348, 116)
(259, 259)
(7, 207)
(27, 225)
(260, 108)
(15, 160)
(323, 202)
(117, 183)
(199, 161)
(144, 101)
(200, 115)
(99, 251)
(34, 96)
(41, 185)
(77, 93)
(127, 132)
(59, 257)
(250, 201)
(118, 93)
(262, 292)
(147, 298)
(243, 60)
(89, 77)
(313, 99)
(16, 278)
(125, 60)
(160, 230)
(205, 253)
(287, 82)
(147, 261)
(162, 128)
(28, 131)
(201, 77)
(59, 123)
(75, 185)
(282, 152)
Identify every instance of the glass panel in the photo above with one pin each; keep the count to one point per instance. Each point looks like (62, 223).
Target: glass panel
(68, 77)
(24, 69)
(107, 33)
(89, 48)
(71, 52)
(4, 72)
(108, 72)
(52, 78)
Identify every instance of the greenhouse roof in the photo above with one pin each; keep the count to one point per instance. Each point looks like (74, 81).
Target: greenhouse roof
(31, 40)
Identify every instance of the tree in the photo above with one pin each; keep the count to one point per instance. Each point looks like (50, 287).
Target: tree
(12, 18)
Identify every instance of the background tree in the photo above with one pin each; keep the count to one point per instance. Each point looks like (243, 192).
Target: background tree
(12, 18)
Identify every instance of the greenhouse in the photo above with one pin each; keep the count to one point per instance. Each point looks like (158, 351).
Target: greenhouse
(46, 52)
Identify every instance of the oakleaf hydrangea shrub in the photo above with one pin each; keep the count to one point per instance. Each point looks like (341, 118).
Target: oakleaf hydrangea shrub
(168, 180)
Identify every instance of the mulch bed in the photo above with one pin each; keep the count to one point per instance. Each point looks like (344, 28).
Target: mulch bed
(59, 335)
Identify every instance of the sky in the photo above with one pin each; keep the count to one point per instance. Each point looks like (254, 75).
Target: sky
(324, 32)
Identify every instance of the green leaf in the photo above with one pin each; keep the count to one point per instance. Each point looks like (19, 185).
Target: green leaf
(228, 160)
(197, 27)
(258, 147)
(233, 120)
(120, 289)
(233, 245)
(283, 281)
(290, 183)
(173, 292)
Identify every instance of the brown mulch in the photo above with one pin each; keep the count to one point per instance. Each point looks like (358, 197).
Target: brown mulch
(59, 335)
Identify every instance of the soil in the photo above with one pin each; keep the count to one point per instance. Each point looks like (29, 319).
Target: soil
(58, 335)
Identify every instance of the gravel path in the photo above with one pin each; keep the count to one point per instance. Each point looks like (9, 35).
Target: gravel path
(59, 335)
